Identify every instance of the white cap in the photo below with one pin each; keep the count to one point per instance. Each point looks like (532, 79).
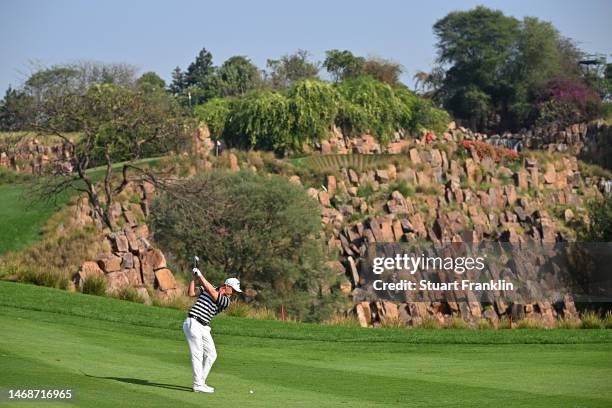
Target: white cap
(234, 283)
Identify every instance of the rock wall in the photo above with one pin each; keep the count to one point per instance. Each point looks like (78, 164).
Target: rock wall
(453, 199)
(132, 260)
(32, 156)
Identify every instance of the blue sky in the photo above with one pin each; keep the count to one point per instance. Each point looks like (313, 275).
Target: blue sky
(159, 35)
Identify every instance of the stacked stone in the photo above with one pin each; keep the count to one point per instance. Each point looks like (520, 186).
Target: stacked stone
(31, 156)
(132, 261)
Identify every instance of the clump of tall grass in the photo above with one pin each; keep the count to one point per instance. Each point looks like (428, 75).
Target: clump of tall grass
(95, 285)
(569, 323)
(428, 322)
(343, 320)
(456, 323)
(392, 323)
(129, 294)
(591, 320)
(530, 323)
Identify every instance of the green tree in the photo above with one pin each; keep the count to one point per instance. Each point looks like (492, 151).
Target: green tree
(118, 124)
(150, 82)
(238, 75)
(179, 83)
(15, 110)
(201, 80)
(343, 64)
(261, 229)
(383, 70)
(290, 69)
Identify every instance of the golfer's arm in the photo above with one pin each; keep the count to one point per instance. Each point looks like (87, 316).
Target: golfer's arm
(209, 288)
(191, 291)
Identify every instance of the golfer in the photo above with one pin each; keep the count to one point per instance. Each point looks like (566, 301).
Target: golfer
(197, 325)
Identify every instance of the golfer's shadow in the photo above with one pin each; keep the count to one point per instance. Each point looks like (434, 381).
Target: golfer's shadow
(138, 381)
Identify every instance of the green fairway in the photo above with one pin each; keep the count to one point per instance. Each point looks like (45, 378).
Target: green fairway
(113, 353)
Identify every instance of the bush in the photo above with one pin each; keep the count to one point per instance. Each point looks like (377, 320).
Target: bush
(371, 106)
(529, 323)
(427, 117)
(402, 187)
(313, 107)
(95, 285)
(456, 323)
(48, 278)
(180, 302)
(238, 309)
(428, 322)
(262, 120)
(590, 320)
(607, 321)
(599, 226)
(569, 324)
(214, 114)
(342, 320)
(129, 294)
(257, 228)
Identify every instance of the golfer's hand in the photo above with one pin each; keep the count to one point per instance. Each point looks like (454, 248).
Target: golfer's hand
(196, 272)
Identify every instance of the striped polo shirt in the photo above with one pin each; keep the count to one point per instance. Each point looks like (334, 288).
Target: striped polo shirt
(205, 308)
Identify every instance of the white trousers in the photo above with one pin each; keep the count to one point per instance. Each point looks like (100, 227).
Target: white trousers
(202, 348)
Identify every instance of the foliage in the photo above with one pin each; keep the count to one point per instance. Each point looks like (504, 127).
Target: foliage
(261, 120)
(237, 76)
(129, 294)
(483, 149)
(599, 225)
(563, 102)
(313, 107)
(150, 82)
(591, 320)
(291, 68)
(383, 70)
(343, 64)
(95, 285)
(15, 110)
(492, 64)
(257, 228)
(214, 114)
(119, 124)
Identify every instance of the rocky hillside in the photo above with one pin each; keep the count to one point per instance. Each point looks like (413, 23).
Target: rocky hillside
(450, 188)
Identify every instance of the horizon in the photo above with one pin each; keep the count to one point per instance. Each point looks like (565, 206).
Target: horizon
(158, 39)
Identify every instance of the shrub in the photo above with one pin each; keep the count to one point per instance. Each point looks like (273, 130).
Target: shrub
(129, 294)
(378, 108)
(456, 323)
(255, 227)
(313, 107)
(392, 323)
(590, 320)
(569, 324)
(215, 114)
(48, 278)
(607, 321)
(95, 285)
(427, 117)
(428, 322)
(529, 323)
(484, 324)
(599, 226)
(180, 302)
(402, 187)
(238, 309)
(343, 320)
(262, 120)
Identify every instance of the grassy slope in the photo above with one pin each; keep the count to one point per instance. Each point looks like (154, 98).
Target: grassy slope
(114, 353)
(21, 217)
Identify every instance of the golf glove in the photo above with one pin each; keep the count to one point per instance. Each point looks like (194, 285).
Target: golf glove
(196, 272)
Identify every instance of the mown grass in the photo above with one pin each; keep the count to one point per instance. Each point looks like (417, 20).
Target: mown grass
(117, 353)
(23, 214)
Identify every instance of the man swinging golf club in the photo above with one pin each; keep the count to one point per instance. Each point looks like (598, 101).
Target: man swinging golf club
(196, 327)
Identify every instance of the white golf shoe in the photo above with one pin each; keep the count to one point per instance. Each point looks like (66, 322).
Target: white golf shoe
(203, 388)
